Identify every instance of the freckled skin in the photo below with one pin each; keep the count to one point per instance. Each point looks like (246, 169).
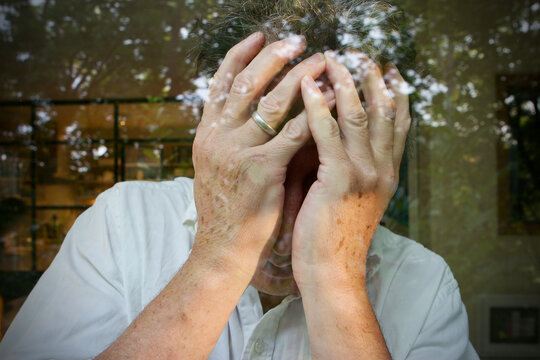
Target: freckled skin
(248, 222)
(340, 242)
(299, 178)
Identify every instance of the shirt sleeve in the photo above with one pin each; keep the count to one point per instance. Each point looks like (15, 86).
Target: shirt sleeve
(445, 332)
(77, 308)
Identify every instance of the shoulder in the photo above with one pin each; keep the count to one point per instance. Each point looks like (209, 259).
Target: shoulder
(401, 258)
(148, 192)
(144, 202)
(150, 228)
(412, 289)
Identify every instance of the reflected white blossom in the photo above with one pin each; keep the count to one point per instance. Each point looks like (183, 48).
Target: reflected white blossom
(99, 152)
(184, 33)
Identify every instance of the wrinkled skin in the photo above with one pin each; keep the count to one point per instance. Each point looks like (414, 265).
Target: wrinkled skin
(276, 276)
(240, 171)
(292, 214)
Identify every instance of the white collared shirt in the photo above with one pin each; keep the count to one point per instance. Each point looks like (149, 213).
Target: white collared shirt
(123, 251)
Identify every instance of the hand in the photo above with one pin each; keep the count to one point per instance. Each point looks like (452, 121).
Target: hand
(239, 170)
(359, 159)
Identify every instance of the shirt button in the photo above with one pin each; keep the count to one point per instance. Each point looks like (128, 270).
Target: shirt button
(259, 346)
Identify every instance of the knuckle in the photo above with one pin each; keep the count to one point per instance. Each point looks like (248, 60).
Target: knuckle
(388, 109)
(370, 177)
(356, 116)
(388, 181)
(218, 81)
(196, 147)
(334, 130)
(331, 127)
(243, 84)
(200, 155)
(271, 105)
(406, 125)
(292, 130)
(385, 109)
(217, 87)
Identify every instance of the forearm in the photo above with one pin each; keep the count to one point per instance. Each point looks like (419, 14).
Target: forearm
(186, 319)
(341, 323)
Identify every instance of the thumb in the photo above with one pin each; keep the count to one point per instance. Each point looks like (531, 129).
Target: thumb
(323, 126)
(293, 136)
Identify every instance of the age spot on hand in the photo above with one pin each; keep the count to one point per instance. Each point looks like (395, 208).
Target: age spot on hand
(340, 245)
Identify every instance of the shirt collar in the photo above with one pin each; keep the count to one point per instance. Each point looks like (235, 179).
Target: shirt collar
(190, 216)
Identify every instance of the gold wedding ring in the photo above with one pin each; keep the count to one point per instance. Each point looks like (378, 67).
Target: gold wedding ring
(263, 124)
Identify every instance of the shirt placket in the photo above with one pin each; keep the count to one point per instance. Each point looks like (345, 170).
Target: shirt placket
(262, 341)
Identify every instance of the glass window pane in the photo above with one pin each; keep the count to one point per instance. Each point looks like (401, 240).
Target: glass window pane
(52, 225)
(73, 175)
(15, 123)
(469, 188)
(16, 235)
(158, 161)
(15, 178)
(157, 121)
(74, 123)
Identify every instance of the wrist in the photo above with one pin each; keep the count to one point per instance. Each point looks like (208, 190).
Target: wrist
(220, 260)
(333, 279)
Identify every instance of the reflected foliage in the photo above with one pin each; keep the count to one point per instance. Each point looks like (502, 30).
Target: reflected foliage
(64, 49)
(470, 148)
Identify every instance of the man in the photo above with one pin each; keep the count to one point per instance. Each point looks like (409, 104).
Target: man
(274, 251)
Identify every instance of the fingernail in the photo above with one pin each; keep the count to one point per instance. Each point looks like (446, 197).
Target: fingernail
(255, 36)
(330, 54)
(296, 40)
(315, 58)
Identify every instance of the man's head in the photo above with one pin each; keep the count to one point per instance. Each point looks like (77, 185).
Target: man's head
(347, 26)
(374, 27)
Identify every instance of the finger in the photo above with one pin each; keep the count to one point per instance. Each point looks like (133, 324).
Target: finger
(352, 118)
(275, 105)
(400, 91)
(265, 66)
(293, 136)
(381, 113)
(237, 58)
(323, 127)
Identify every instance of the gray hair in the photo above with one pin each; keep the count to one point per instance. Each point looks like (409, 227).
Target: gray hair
(372, 26)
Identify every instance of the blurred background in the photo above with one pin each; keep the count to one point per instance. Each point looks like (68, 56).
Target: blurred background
(96, 92)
